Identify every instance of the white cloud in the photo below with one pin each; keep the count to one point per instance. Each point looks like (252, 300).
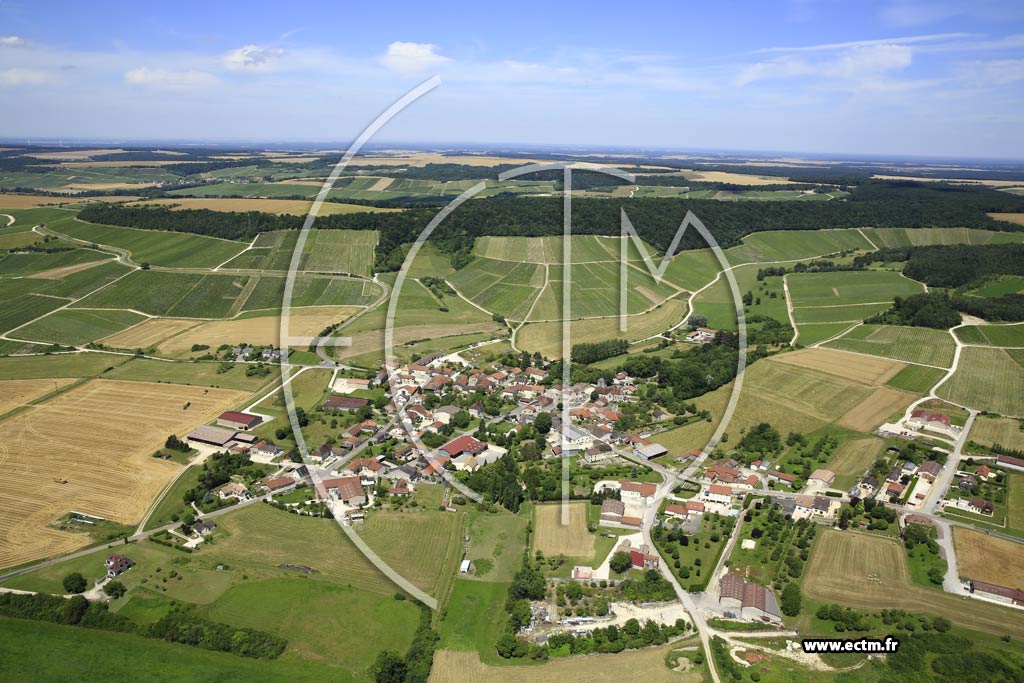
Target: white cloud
(992, 73)
(12, 41)
(21, 76)
(167, 79)
(859, 64)
(410, 57)
(904, 40)
(253, 57)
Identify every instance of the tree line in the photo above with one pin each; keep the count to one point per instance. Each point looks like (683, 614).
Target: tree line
(952, 266)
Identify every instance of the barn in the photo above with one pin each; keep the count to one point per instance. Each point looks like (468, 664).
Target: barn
(238, 420)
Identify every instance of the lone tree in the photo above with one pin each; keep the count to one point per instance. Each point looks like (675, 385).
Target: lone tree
(75, 583)
(115, 589)
(620, 562)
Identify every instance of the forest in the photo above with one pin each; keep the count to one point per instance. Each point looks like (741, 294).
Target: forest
(952, 266)
(876, 203)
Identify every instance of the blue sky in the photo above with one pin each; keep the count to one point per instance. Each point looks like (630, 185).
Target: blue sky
(940, 78)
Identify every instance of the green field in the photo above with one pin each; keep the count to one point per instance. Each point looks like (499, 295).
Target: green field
(60, 365)
(475, 617)
(326, 251)
(309, 290)
(814, 333)
(1005, 431)
(201, 374)
(905, 237)
(837, 313)
(916, 378)
(849, 287)
(992, 335)
(987, 379)
(783, 245)
(172, 507)
(20, 310)
(36, 262)
(75, 327)
(423, 546)
(1007, 284)
(496, 543)
(250, 190)
(912, 344)
(157, 247)
(183, 295)
(505, 287)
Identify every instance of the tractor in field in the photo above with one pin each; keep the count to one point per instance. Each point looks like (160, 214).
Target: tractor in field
(60, 480)
(187, 404)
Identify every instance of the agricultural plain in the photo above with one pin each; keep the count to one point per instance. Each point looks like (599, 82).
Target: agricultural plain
(870, 572)
(986, 558)
(99, 438)
(912, 344)
(987, 379)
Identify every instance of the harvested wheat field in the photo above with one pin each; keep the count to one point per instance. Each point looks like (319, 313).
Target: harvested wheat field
(867, 369)
(31, 201)
(735, 178)
(870, 572)
(989, 559)
(18, 392)
(645, 665)
(554, 538)
(99, 438)
(1017, 218)
(305, 322)
(148, 333)
(876, 409)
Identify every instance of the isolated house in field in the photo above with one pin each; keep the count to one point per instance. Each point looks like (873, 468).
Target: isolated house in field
(234, 419)
(702, 335)
(117, 564)
(754, 601)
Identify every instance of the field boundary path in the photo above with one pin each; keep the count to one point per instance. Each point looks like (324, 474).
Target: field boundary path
(9, 217)
(789, 309)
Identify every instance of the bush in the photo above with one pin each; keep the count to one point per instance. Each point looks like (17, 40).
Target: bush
(75, 583)
(115, 589)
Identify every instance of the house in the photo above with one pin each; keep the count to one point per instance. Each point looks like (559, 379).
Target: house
(1010, 463)
(867, 486)
(598, 452)
(238, 420)
(980, 506)
(822, 477)
(327, 451)
(435, 468)
(894, 488)
(815, 506)
(676, 511)
(1011, 596)
(717, 493)
(407, 452)
(233, 490)
(367, 469)
(337, 404)
(754, 601)
(276, 484)
(787, 506)
(117, 564)
(929, 470)
(781, 477)
(636, 492)
(642, 558)
(348, 490)
(694, 507)
(651, 451)
(266, 449)
(580, 573)
(968, 482)
(465, 444)
(573, 439)
(701, 335)
(400, 489)
(204, 528)
(983, 472)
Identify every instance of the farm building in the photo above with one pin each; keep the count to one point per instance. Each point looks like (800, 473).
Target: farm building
(930, 469)
(822, 477)
(346, 489)
(1010, 463)
(753, 600)
(465, 444)
(238, 420)
(642, 558)
(211, 436)
(922, 419)
(636, 492)
(278, 483)
(782, 477)
(651, 451)
(612, 510)
(117, 564)
(1011, 596)
(344, 403)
